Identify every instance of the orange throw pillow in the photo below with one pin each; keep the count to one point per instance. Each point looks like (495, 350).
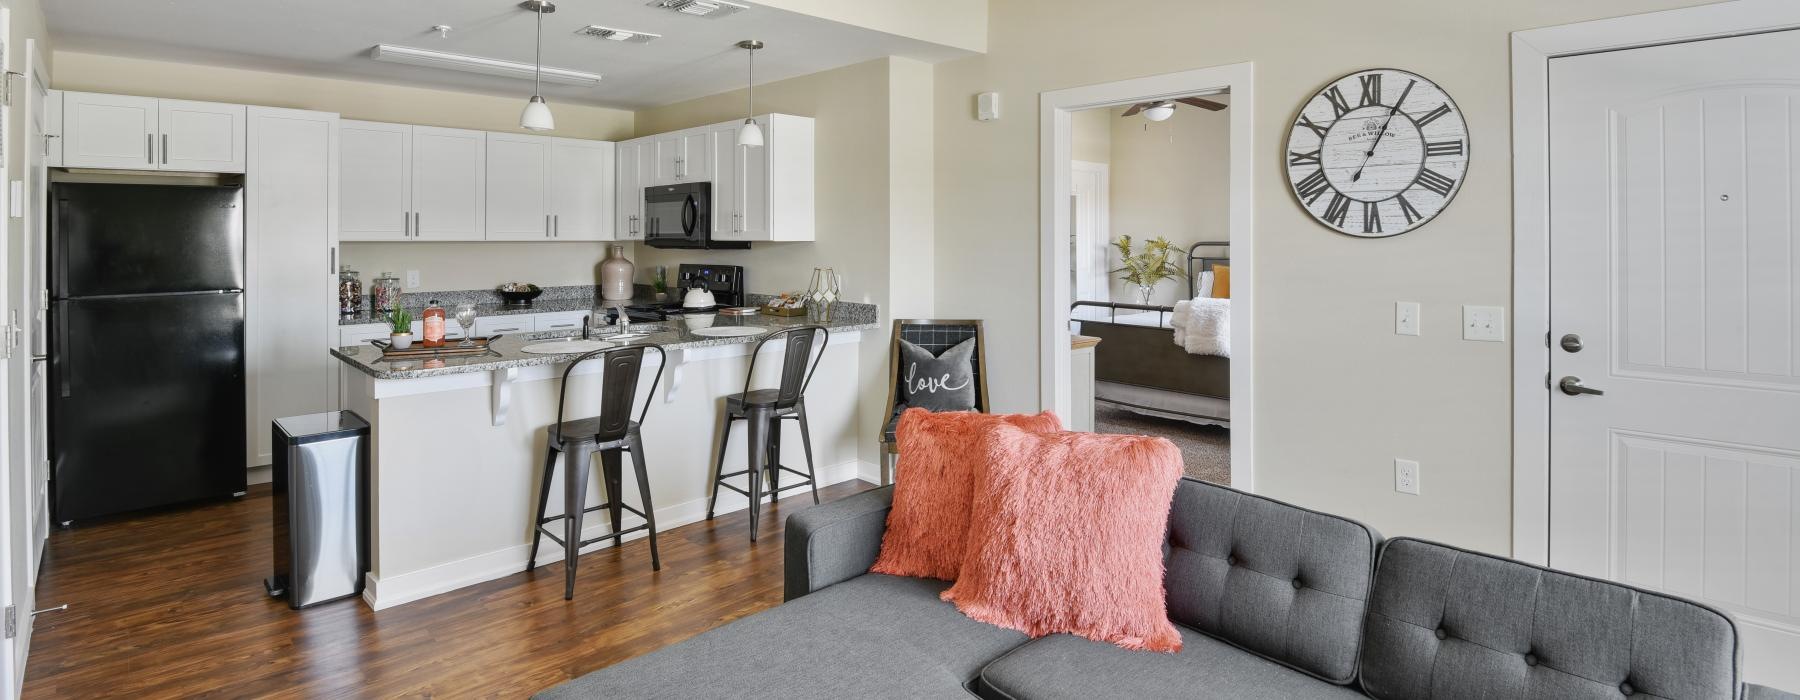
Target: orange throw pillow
(932, 482)
(1066, 533)
(1221, 282)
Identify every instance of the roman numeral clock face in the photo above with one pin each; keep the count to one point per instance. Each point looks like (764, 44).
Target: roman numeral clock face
(1377, 153)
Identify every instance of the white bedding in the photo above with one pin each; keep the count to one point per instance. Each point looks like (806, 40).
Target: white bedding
(1203, 326)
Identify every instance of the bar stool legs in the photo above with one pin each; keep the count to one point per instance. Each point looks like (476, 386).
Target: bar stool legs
(806, 444)
(579, 458)
(550, 456)
(764, 452)
(574, 497)
(635, 443)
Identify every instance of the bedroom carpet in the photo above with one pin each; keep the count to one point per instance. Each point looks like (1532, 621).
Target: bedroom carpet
(1205, 449)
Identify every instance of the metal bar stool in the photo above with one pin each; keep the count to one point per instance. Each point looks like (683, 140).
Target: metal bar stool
(763, 410)
(609, 434)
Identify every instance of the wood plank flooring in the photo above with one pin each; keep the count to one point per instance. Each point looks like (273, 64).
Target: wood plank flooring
(172, 605)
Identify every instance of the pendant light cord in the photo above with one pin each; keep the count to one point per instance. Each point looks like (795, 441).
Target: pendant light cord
(537, 71)
(750, 100)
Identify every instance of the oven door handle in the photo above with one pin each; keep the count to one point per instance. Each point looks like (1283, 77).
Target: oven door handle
(690, 216)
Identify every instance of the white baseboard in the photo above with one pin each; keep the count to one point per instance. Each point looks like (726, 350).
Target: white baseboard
(383, 593)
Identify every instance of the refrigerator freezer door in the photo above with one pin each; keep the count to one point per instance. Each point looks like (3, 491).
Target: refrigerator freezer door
(110, 239)
(147, 402)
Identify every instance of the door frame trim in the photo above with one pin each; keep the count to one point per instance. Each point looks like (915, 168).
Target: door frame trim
(1055, 126)
(1531, 53)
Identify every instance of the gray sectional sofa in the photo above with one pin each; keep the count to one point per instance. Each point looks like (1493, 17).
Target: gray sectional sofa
(1273, 601)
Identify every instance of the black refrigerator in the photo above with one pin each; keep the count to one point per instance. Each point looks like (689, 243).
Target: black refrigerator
(147, 404)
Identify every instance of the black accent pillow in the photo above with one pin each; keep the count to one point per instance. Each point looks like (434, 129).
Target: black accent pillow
(942, 383)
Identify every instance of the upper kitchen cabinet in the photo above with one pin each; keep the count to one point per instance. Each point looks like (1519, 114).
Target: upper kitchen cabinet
(146, 133)
(683, 156)
(449, 184)
(766, 193)
(375, 172)
(634, 162)
(518, 208)
(580, 184)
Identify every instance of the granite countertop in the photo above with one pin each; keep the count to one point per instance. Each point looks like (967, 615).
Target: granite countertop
(673, 334)
(541, 306)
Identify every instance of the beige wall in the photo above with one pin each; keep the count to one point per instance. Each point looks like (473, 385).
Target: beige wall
(1090, 137)
(441, 265)
(1339, 396)
(1171, 179)
(873, 193)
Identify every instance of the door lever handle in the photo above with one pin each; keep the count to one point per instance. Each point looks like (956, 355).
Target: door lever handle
(1572, 386)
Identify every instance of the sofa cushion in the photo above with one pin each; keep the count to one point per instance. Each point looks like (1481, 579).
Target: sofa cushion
(1064, 666)
(871, 636)
(1285, 582)
(1448, 623)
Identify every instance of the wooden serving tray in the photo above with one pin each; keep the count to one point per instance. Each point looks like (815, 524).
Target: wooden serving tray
(450, 348)
(773, 311)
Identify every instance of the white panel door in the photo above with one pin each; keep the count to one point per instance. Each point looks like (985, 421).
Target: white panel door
(518, 208)
(697, 155)
(375, 174)
(669, 151)
(203, 137)
(727, 188)
(628, 200)
(581, 190)
(1675, 171)
(752, 194)
(449, 175)
(109, 131)
(291, 201)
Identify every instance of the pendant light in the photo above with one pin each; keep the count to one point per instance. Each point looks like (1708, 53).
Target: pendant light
(537, 112)
(750, 134)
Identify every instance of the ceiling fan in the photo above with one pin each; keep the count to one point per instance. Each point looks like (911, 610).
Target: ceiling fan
(1163, 109)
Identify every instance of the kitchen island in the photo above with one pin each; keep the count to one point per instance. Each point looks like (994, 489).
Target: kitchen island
(458, 442)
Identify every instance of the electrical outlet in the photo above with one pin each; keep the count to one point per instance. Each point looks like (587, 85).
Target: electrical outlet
(1406, 318)
(1486, 323)
(412, 279)
(1406, 476)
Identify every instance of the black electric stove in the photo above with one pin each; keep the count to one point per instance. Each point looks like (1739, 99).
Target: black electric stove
(726, 282)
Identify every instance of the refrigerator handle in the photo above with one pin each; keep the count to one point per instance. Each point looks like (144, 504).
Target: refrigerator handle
(59, 360)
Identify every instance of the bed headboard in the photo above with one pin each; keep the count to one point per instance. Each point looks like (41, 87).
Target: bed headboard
(1201, 257)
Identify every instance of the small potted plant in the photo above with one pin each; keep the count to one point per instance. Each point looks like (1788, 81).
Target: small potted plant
(1147, 268)
(401, 321)
(659, 282)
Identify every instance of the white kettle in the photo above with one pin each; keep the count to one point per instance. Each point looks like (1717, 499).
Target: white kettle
(698, 298)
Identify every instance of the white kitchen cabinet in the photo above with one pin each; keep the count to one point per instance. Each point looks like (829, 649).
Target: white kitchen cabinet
(768, 194)
(109, 131)
(290, 226)
(203, 137)
(580, 187)
(667, 152)
(518, 205)
(558, 321)
(633, 159)
(145, 133)
(725, 185)
(376, 181)
(682, 156)
(511, 324)
(449, 180)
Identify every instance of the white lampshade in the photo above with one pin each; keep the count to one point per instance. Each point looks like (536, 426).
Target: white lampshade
(750, 134)
(537, 115)
(1161, 111)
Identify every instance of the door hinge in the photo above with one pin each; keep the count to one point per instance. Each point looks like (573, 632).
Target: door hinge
(12, 621)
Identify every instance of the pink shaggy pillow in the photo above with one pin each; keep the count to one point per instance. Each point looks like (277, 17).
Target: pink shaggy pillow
(932, 483)
(1066, 533)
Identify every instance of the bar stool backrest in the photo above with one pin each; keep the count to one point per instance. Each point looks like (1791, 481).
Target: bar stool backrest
(936, 336)
(620, 369)
(797, 362)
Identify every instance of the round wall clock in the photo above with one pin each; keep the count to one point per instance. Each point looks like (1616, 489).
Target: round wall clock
(1377, 153)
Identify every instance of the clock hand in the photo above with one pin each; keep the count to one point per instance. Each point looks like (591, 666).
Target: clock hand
(1384, 127)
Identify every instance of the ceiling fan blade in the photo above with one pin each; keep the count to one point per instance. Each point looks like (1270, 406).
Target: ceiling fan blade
(1139, 107)
(1203, 104)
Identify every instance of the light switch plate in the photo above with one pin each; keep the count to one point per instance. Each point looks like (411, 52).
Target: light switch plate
(412, 279)
(1406, 318)
(1406, 476)
(1484, 323)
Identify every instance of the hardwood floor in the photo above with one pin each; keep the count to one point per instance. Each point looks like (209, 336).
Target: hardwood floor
(172, 605)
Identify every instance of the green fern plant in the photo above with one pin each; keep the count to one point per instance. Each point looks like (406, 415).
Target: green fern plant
(1150, 266)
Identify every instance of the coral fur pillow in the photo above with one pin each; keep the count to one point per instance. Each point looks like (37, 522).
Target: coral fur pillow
(1066, 533)
(932, 482)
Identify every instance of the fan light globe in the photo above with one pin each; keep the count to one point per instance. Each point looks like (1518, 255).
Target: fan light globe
(1160, 112)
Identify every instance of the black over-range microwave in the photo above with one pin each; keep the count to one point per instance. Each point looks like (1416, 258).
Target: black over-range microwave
(680, 216)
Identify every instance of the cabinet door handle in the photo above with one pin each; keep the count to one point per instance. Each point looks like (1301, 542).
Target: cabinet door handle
(406, 224)
(150, 148)
(556, 225)
(417, 229)
(331, 264)
(165, 149)
(547, 233)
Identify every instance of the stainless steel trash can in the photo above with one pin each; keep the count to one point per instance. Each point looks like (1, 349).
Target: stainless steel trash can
(321, 507)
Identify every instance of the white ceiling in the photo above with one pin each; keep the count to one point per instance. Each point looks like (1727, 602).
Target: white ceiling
(695, 57)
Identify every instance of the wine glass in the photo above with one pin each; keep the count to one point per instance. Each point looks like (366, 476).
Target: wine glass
(465, 317)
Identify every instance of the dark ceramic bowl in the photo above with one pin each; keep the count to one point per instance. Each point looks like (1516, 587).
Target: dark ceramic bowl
(520, 298)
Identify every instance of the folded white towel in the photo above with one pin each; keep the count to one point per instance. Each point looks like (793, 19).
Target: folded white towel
(1203, 326)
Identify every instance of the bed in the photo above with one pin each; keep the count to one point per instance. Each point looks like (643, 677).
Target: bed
(1139, 368)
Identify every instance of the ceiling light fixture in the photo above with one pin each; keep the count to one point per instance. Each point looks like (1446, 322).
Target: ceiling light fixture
(408, 55)
(620, 35)
(750, 134)
(710, 9)
(1160, 112)
(536, 116)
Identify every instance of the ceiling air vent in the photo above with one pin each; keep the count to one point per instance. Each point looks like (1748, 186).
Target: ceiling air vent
(620, 35)
(710, 9)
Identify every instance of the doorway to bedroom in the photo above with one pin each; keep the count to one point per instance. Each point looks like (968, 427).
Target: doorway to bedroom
(1149, 180)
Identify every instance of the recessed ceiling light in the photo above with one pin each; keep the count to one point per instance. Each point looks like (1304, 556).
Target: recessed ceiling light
(614, 34)
(710, 9)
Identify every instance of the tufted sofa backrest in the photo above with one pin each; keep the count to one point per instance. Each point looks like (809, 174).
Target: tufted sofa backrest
(1283, 582)
(1450, 623)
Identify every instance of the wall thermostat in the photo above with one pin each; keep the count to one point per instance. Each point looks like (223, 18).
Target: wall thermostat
(987, 106)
